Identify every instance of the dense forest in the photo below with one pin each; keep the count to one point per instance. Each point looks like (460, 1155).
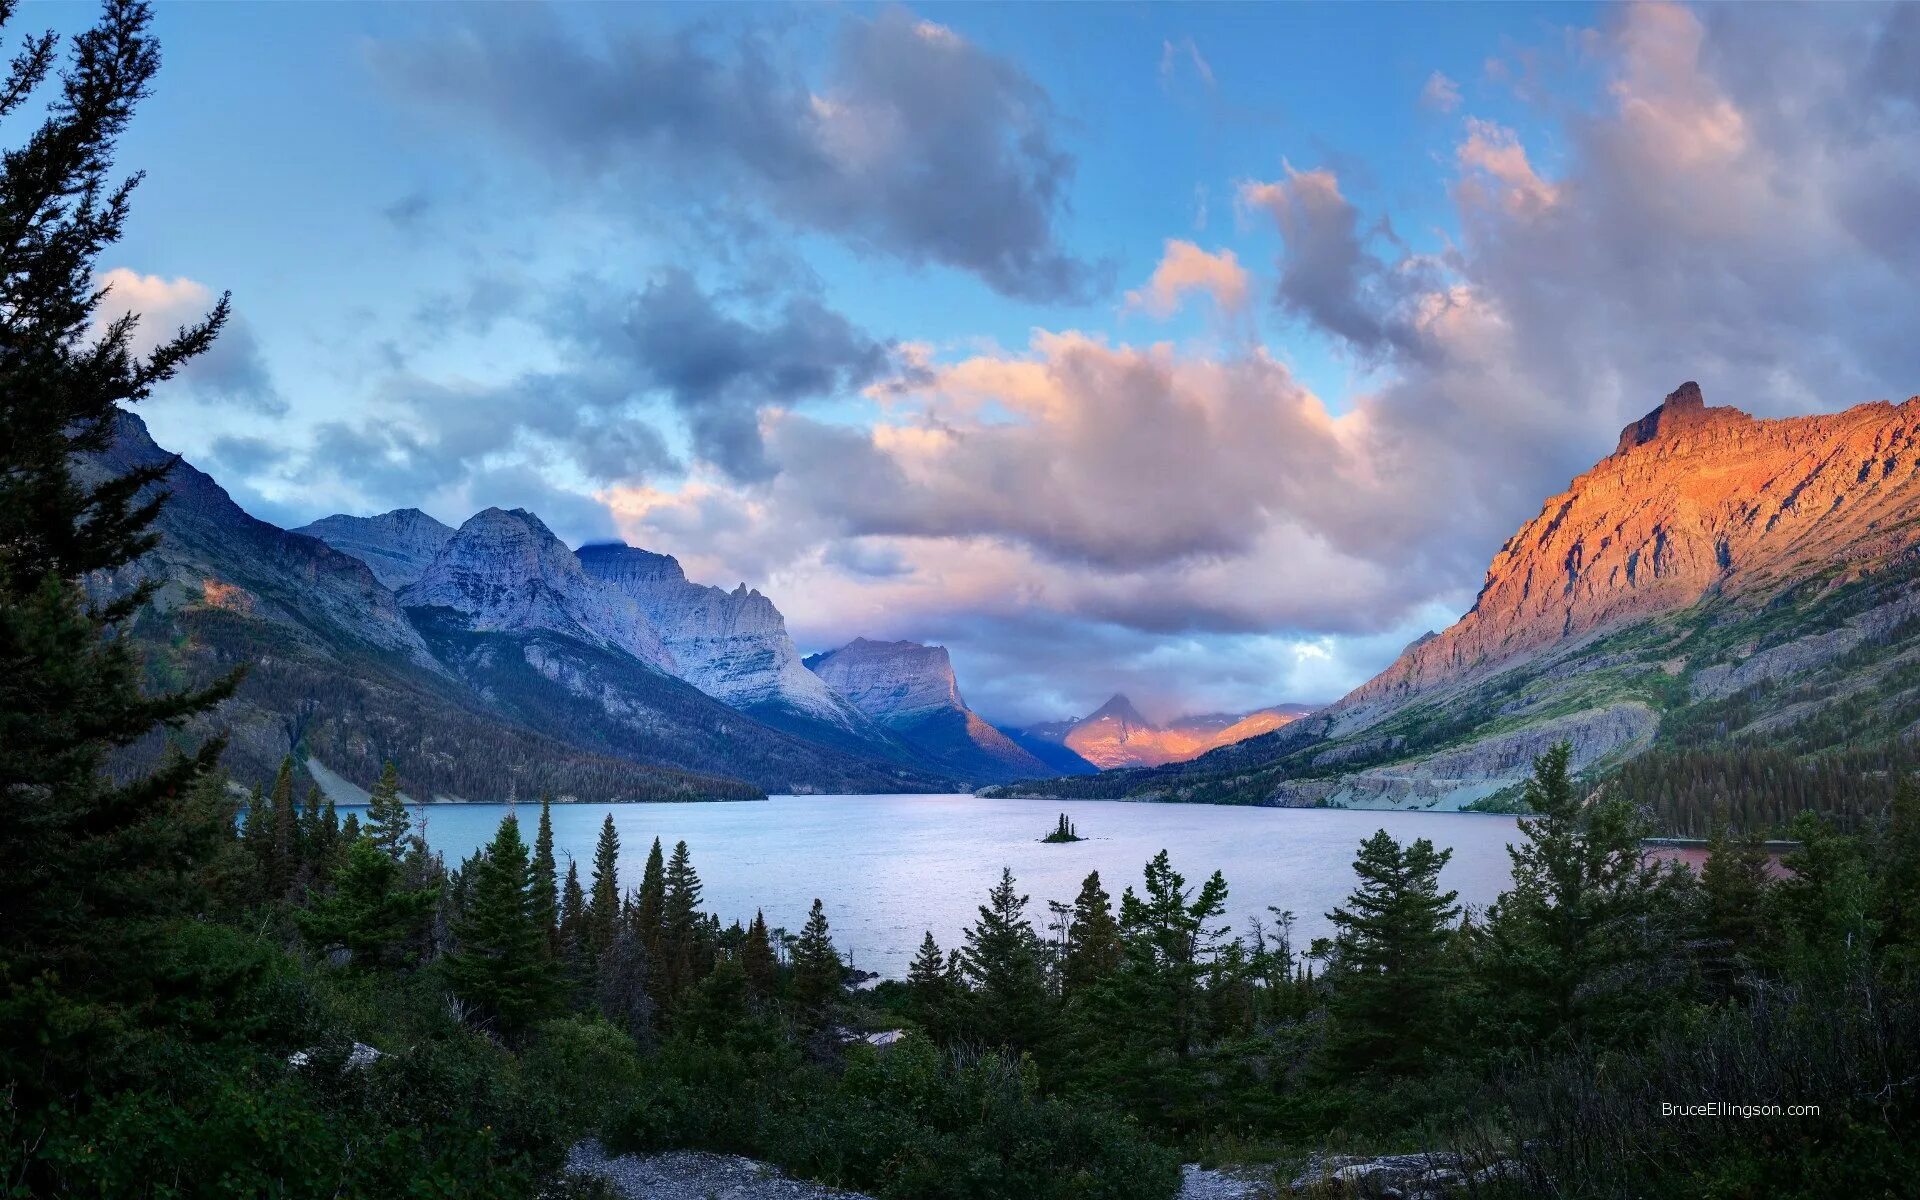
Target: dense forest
(193, 1003)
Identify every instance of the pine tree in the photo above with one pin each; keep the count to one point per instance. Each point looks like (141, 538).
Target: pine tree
(603, 899)
(681, 956)
(501, 962)
(573, 907)
(932, 998)
(818, 974)
(387, 821)
(1168, 942)
(350, 829)
(370, 912)
(86, 859)
(1390, 992)
(283, 853)
(1011, 1005)
(1733, 885)
(650, 903)
(546, 912)
(316, 845)
(1578, 942)
(623, 989)
(756, 958)
(1093, 939)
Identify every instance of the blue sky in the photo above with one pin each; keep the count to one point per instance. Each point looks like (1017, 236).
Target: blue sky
(855, 303)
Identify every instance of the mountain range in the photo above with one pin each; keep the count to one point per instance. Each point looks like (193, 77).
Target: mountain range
(1115, 735)
(1715, 580)
(493, 661)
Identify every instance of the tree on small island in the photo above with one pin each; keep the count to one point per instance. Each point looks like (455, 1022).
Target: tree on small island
(1063, 832)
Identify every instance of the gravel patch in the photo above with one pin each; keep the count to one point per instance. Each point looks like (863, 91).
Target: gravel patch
(1201, 1183)
(689, 1175)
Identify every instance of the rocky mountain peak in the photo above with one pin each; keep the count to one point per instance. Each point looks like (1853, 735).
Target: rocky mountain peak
(733, 645)
(1685, 408)
(891, 681)
(1121, 709)
(505, 570)
(617, 562)
(1696, 502)
(397, 546)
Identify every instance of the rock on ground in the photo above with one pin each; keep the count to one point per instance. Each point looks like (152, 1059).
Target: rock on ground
(689, 1175)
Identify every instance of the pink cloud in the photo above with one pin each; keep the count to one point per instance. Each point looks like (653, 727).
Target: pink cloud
(1185, 268)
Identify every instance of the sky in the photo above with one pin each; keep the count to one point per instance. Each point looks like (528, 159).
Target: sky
(1205, 353)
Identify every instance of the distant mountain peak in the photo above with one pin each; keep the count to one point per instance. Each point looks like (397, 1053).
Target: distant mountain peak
(911, 689)
(397, 546)
(1119, 708)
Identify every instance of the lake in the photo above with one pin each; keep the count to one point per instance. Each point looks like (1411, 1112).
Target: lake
(890, 867)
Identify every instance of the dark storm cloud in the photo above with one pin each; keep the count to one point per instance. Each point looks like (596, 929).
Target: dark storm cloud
(920, 145)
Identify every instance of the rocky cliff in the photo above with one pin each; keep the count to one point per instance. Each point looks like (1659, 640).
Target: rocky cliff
(397, 546)
(506, 572)
(911, 690)
(1694, 501)
(1714, 578)
(731, 645)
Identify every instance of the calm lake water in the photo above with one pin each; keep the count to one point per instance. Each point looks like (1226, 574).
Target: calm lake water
(889, 867)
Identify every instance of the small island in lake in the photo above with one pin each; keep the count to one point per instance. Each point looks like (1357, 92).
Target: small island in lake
(1063, 832)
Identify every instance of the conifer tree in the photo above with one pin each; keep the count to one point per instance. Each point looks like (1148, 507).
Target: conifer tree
(603, 900)
(1093, 939)
(350, 829)
(623, 989)
(1733, 885)
(931, 994)
(387, 821)
(283, 853)
(573, 907)
(717, 1006)
(546, 911)
(756, 958)
(1576, 942)
(86, 859)
(650, 903)
(1393, 981)
(1168, 942)
(818, 974)
(371, 912)
(501, 963)
(316, 846)
(680, 924)
(1011, 1006)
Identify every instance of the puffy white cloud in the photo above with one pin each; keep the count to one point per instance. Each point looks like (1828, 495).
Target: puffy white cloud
(1185, 268)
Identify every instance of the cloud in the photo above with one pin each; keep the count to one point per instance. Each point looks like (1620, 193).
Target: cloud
(1184, 268)
(919, 144)
(1080, 515)
(1328, 276)
(232, 372)
(1495, 153)
(1440, 93)
(720, 371)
